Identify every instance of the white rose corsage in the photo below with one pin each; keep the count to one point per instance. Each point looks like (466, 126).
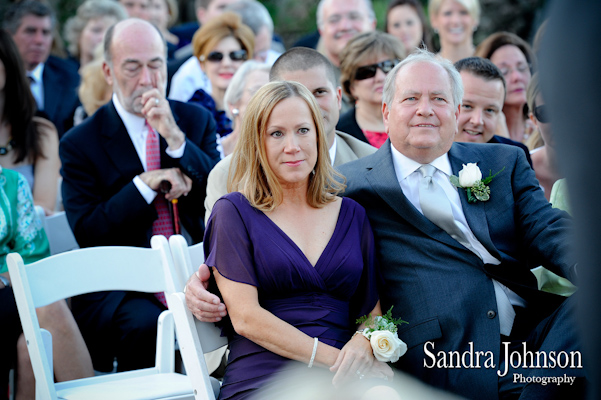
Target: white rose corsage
(470, 179)
(381, 331)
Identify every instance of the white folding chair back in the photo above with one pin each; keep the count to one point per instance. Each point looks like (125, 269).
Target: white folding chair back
(195, 338)
(58, 231)
(91, 270)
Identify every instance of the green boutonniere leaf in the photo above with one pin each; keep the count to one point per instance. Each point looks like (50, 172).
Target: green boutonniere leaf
(490, 176)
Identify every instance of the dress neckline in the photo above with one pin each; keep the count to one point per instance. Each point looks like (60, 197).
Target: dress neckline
(293, 243)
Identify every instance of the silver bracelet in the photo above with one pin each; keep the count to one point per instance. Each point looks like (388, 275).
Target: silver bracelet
(314, 352)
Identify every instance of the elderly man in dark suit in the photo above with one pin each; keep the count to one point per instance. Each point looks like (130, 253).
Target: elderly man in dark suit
(456, 263)
(54, 81)
(113, 165)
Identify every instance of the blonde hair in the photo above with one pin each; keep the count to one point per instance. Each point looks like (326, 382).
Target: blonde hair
(250, 172)
(94, 91)
(228, 24)
(472, 6)
(87, 11)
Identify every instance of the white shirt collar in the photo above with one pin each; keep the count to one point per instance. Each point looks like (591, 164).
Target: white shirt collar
(332, 151)
(134, 124)
(37, 72)
(404, 166)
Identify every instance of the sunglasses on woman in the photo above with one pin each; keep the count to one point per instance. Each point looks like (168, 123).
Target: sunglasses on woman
(542, 114)
(369, 71)
(217, 56)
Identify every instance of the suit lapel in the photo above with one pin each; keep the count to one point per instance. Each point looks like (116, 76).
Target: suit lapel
(383, 179)
(118, 144)
(475, 213)
(344, 153)
(52, 89)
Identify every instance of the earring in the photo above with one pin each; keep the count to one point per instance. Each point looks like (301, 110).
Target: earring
(235, 112)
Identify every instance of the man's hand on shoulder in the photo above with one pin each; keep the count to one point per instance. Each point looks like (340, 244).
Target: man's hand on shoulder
(204, 305)
(181, 184)
(157, 112)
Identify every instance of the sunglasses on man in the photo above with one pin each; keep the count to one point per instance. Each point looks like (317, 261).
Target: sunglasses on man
(541, 114)
(217, 56)
(369, 71)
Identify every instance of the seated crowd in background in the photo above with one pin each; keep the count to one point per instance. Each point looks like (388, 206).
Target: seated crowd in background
(112, 119)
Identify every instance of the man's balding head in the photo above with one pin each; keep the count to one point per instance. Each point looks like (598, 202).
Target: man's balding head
(134, 61)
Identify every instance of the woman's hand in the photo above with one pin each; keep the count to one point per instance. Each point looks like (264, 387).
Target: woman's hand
(380, 370)
(354, 361)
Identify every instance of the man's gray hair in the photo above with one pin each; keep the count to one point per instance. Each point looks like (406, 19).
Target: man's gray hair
(15, 13)
(319, 14)
(422, 55)
(253, 14)
(235, 89)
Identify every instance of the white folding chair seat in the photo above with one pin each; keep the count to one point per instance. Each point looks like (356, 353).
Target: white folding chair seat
(91, 270)
(58, 231)
(195, 338)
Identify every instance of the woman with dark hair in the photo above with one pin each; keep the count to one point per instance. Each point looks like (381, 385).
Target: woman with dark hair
(405, 19)
(364, 63)
(516, 60)
(28, 144)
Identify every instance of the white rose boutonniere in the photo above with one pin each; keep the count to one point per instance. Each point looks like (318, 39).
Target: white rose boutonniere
(470, 179)
(469, 175)
(381, 331)
(387, 346)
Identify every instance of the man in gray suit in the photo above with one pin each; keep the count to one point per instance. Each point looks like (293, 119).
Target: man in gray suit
(312, 69)
(459, 270)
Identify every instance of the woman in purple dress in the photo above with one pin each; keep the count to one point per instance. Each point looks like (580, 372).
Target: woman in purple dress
(293, 261)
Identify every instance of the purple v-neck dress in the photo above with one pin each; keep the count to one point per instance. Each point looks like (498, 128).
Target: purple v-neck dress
(322, 301)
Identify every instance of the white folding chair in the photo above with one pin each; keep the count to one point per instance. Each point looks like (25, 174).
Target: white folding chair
(195, 338)
(91, 270)
(58, 231)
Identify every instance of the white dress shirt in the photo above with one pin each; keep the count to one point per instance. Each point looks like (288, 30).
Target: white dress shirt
(138, 131)
(37, 85)
(409, 178)
(332, 151)
(187, 80)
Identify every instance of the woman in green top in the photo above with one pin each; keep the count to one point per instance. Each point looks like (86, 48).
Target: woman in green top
(21, 232)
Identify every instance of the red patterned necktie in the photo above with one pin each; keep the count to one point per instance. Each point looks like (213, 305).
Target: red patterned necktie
(163, 224)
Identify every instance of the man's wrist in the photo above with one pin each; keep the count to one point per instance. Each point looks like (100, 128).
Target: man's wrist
(176, 139)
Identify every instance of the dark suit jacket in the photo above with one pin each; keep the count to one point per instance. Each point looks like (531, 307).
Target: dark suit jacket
(502, 140)
(348, 123)
(99, 161)
(442, 288)
(60, 79)
(104, 207)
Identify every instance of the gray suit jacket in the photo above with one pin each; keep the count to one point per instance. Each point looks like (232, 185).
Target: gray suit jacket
(348, 149)
(441, 288)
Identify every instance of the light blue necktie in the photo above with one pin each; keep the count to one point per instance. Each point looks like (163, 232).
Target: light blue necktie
(437, 208)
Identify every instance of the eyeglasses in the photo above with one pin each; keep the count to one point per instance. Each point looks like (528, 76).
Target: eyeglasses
(217, 56)
(542, 114)
(369, 71)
